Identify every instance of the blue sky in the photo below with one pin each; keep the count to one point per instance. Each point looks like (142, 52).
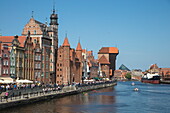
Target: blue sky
(139, 28)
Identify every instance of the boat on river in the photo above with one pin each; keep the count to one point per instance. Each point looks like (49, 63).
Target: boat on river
(151, 78)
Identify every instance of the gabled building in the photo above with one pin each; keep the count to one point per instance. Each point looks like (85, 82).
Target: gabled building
(107, 60)
(153, 69)
(17, 58)
(47, 36)
(33, 55)
(37, 61)
(165, 74)
(69, 64)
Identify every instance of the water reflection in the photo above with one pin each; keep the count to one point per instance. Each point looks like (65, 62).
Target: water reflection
(100, 101)
(120, 99)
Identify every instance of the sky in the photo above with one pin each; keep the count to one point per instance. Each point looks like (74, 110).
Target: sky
(140, 29)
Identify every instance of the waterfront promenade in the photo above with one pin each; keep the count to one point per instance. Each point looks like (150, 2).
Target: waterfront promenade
(27, 96)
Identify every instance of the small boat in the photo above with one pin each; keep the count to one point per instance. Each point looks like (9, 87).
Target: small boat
(136, 89)
(133, 83)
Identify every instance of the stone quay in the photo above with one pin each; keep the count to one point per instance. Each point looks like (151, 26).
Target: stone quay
(42, 95)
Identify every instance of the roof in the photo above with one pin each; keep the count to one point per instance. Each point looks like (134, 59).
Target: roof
(108, 50)
(9, 39)
(66, 43)
(154, 66)
(79, 47)
(103, 60)
(123, 67)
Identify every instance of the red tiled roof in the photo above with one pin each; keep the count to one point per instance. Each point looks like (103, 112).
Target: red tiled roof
(154, 66)
(6, 39)
(22, 40)
(84, 50)
(79, 47)
(66, 43)
(103, 60)
(108, 50)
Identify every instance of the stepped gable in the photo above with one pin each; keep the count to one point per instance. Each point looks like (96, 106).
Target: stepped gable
(79, 47)
(66, 42)
(123, 67)
(104, 50)
(103, 60)
(34, 25)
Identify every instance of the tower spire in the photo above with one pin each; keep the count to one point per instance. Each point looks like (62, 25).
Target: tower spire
(66, 34)
(32, 14)
(53, 6)
(79, 39)
(54, 16)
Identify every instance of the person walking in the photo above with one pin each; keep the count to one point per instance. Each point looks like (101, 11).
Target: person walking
(6, 96)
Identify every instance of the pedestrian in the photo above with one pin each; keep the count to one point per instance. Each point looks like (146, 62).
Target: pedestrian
(6, 96)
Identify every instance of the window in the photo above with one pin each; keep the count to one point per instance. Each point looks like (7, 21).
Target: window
(39, 66)
(10, 71)
(34, 31)
(46, 66)
(5, 55)
(39, 57)
(4, 71)
(37, 50)
(42, 74)
(46, 74)
(42, 65)
(35, 41)
(7, 71)
(4, 62)
(35, 74)
(47, 58)
(38, 74)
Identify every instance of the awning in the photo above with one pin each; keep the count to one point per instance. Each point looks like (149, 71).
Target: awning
(24, 81)
(6, 80)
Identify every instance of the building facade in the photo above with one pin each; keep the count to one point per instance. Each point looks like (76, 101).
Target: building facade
(69, 64)
(33, 55)
(107, 60)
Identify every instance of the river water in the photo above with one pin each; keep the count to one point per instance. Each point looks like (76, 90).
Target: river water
(151, 98)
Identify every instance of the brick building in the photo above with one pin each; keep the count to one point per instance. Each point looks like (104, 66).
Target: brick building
(107, 60)
(33, 55)
(69, 65)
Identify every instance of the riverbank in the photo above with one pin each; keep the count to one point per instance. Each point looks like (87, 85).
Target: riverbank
(46, 95)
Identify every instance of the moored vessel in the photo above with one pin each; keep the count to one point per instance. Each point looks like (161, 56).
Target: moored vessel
(151, 78)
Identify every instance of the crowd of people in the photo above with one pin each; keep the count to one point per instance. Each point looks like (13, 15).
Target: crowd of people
(7, 88)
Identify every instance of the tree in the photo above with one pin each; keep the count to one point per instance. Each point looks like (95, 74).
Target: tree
(128, 76)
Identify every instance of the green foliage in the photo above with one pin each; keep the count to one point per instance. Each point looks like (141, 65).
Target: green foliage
(128, 76)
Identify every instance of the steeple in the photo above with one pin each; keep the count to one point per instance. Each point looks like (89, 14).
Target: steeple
(66, 43)
(79, 47)
(53, 17)
(32, 16)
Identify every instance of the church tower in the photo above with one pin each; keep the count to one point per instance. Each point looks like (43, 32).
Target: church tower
(53, 34)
